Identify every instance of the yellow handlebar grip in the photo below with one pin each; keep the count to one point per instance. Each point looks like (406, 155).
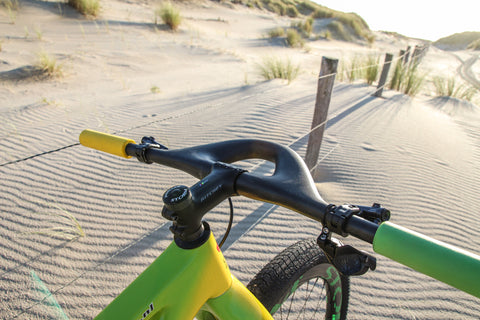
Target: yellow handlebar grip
(105, 142)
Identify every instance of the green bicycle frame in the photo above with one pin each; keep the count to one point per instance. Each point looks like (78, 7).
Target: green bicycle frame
(182, 281)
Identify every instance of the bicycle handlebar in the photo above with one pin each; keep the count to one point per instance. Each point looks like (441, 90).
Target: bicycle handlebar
(439, 260)
(292, 186)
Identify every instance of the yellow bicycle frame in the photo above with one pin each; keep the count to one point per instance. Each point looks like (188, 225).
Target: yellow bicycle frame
(180, 282)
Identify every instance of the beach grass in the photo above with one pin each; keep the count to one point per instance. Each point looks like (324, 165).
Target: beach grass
(449, 87)
(12, 7)
(86, 7)
(294, 39)
(372, 68)
(407, 78)
(276, 33)
(276, 68)
(67, 228)
(169, 14)
(49, 65)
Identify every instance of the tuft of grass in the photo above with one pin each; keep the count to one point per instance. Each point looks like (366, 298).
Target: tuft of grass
(276, 68)
(305, 27)
(397, 76)
(353, 71)
(169, 14)
(12, 7)
(294, 39)
(276, 33)
(372, 68)
(68, 226)
(450, 88)
(86, 7)
(406, 78)
(49, 65)
(155, 89)
(413, 81)
(39, 32)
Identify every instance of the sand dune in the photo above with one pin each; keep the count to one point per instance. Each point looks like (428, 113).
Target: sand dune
(419, 157)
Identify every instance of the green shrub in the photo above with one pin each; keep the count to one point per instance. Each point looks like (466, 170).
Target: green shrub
(275, 68)
(169, 14)
(86, 7)
(294, 39)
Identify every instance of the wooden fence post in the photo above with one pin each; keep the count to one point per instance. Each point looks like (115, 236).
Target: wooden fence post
(384, 75)
(407, 55)
(324, 93)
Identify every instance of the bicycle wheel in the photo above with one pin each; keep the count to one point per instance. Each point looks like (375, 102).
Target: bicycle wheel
(300, 283)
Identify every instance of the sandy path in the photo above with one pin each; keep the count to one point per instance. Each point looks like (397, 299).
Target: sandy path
(466, 72)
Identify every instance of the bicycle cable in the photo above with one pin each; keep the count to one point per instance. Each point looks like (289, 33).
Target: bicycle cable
(230, 222)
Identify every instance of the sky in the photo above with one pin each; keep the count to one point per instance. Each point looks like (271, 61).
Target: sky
(425, 19)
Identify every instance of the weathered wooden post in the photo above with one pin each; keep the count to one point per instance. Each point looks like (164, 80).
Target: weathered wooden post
(384, 75)
(326, 80)
(407, 55)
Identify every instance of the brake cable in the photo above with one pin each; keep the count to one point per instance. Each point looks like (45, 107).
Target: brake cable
(230, 222)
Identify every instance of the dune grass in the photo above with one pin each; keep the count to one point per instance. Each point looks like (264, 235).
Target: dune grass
(169, 14)
(86, 7)
(305, 27)
(67, 228)
(372, 68)
(451, 88)
(11, 6)
(49, 65)
(475, 45)
(407, 78)
(276, 33)
(294, 39)
(276, 68)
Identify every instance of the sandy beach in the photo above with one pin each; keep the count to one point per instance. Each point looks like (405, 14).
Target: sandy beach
(123, 74)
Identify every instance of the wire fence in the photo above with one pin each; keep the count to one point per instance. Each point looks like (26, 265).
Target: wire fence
(252, 168)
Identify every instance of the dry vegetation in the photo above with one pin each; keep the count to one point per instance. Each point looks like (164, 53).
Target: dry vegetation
(276, 68)
(459, 41)
(169, 14)
(344, 26)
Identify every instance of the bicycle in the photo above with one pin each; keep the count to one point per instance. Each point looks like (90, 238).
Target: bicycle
(191, 277)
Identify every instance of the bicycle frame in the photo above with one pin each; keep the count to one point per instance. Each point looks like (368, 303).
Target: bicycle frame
(182, 281)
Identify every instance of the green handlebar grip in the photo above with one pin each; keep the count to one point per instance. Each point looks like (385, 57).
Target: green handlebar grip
(444, 262)
(105, 142)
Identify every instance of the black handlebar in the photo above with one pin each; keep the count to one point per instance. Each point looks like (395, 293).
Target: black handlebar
(290, 185)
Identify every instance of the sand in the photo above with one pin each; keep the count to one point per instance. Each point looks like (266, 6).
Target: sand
(122, 74)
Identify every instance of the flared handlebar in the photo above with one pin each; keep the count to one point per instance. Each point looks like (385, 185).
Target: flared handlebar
(292, 186)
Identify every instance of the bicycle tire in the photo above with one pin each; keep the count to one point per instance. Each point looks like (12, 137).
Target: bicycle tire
(285, 285)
